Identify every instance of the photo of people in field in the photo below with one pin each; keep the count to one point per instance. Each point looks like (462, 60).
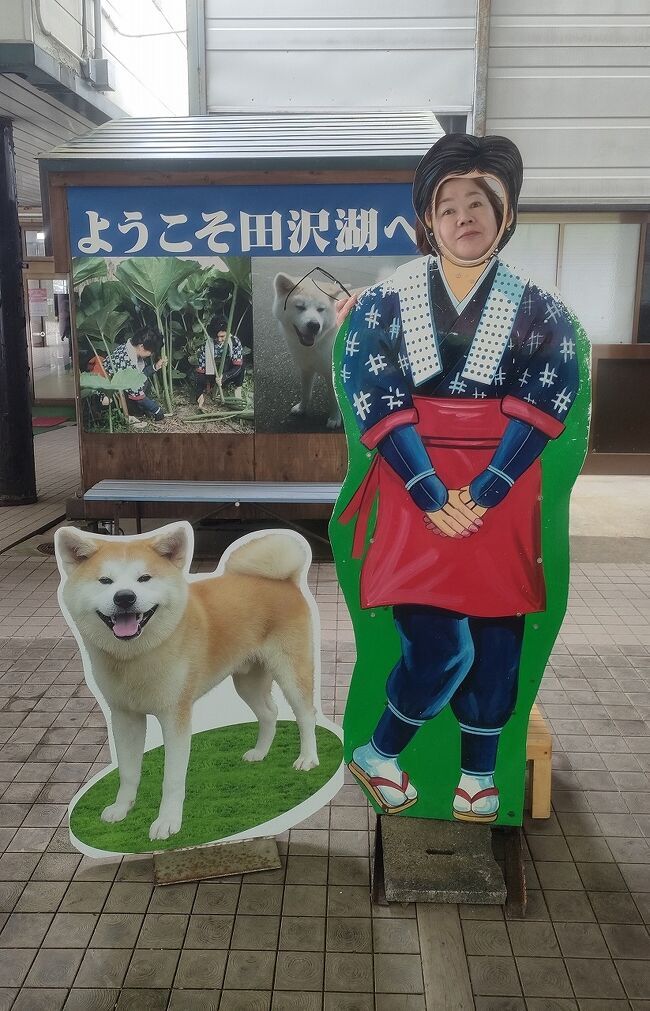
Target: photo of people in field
(164, 344)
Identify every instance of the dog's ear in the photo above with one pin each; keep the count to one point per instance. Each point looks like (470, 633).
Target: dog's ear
(173, 544)
(284, 284)
(72, 547)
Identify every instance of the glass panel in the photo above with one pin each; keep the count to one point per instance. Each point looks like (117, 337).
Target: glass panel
(598, 278)
(644, 310)
(532, 252)
(34, 242)
(49, 335)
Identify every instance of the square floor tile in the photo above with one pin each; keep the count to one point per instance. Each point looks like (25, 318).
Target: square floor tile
(486, 937)
(494, 975)
(543, 977)
(636, 977)
(299, 933)
(350, 934)
(393, 936)
(200, 970)
(349, 900)
(262, 900)
(152, 969)
(103, 967)
(398, 974)
(54, 968)
(614, 907)
(299, 971)
(533, 939)
(163, 930)
(117, 930)
(348, 972)
(594, 977)
(209, 930)
(304, 900)
(14, 965)
(250, 970)
(569, 906)
(257, 933)
(25, 930)
(627, 940)
(581, 940)
(216, 897)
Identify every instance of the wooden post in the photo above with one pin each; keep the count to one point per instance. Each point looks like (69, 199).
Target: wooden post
(17, 473)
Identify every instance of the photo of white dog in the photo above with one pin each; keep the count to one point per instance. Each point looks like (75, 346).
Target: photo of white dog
(158, 639)
(306, 313)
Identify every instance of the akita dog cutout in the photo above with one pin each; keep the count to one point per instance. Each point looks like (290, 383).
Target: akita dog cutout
(157, 641)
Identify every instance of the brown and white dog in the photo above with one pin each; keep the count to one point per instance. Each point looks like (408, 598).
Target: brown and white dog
(157, 640)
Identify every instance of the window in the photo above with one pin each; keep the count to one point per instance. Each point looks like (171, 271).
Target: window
(34, 242)
(593, 264)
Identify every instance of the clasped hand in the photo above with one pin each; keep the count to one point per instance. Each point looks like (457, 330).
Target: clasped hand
(460, 517)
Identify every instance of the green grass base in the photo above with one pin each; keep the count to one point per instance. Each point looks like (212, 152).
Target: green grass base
(225, 795)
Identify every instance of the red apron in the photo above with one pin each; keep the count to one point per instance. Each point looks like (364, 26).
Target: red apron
(494, 573)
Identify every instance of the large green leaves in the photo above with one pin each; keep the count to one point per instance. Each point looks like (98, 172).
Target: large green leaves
(88, 268)
(125, 379)
(97, 315)
(239, 274)
(151, 279)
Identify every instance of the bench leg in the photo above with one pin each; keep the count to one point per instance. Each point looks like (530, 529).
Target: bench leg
(116, 518)
(540, 788)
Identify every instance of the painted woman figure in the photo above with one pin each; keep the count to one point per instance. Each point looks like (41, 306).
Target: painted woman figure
(458, 373)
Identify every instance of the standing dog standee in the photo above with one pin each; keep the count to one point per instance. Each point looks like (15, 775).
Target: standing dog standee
(198, 653)
(465, 395)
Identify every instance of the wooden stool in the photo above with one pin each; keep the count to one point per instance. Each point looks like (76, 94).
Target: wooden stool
(539, 751)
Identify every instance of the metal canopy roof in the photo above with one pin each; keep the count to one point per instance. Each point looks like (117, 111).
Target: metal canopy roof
(313, 140)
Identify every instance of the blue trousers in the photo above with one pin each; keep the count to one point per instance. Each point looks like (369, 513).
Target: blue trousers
(146, 406)
(471, 663)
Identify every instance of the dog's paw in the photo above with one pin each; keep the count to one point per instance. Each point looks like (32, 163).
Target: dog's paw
(115, 812)
(335, 422)
(254, 755)
(165, 825)
(305, 762)
(298, 408)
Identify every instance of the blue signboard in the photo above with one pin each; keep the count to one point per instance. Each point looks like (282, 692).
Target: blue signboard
(306, 220)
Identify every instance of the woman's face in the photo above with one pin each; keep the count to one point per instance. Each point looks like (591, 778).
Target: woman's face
(463, 218)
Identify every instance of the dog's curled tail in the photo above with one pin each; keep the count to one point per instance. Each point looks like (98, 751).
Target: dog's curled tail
(274, 556)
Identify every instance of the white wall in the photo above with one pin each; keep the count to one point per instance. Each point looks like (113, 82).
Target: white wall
(572, 89)
(292, 54)
(150, 69)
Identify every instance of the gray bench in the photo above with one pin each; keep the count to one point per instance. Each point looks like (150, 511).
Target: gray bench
(223, 494)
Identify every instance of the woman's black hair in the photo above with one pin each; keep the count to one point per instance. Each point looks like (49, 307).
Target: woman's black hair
(219, 324)
(458, 154)
(149, 339)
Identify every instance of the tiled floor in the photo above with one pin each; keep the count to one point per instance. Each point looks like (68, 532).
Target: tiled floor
(82, 934)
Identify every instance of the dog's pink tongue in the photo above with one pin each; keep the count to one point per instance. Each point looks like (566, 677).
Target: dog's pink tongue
(125, 625)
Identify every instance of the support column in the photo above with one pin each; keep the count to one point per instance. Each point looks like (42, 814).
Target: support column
(17, 473)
